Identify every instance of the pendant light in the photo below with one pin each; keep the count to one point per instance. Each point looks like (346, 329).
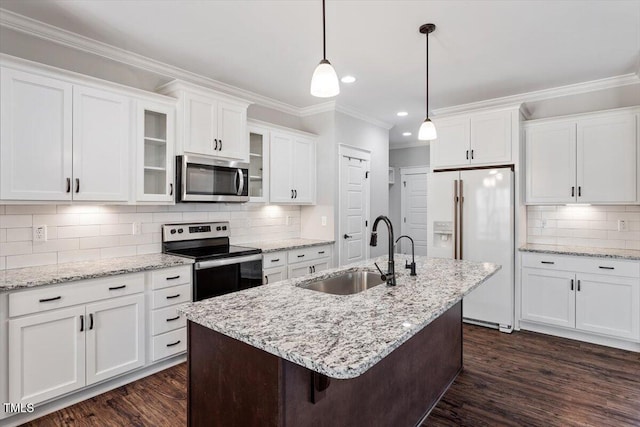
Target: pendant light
(427, 129)
(324, 82)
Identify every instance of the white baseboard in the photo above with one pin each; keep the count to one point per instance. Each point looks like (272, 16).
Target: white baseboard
(580, 336)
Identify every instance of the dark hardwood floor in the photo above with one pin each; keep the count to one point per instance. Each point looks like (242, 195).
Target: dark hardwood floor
(522, 379)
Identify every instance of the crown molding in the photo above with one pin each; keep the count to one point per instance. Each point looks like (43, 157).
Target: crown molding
(317, 109)
(361, 116)
(544, 94)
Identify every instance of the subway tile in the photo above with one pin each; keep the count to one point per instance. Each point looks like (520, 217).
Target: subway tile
(531, 214)
(119, 209)
(56, 219)
(117, 252)
(156, 237)
(78, 209)
(3, 235)
(135, 217)
(544, 240)
(56, 245)
(2, 210)
(167, 217)
(152, 208)
(623, 235)
(150, 228)
(15, 221)
(19, 234)
(533, 231)
(138, 239)
(195, 216)
(219, 216)
(629, 216)
(98, 242)
(633, 208)
(3, 263)
(16, 248)
(115, 229)
(97, 218)
(152, 248)
(32, 260)
(30, 209)
(78, 255)
(73, 231)
(532, 222)
(633, 244)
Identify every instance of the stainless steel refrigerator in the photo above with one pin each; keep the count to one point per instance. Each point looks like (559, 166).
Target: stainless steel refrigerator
(471, 217)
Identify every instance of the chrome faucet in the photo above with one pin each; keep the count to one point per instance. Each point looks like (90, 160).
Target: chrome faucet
(390, 275)
(411, 266)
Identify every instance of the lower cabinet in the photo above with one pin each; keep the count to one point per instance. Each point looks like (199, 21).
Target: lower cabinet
(568, 295)
(294, 263)
(308, 268)
(273, 275)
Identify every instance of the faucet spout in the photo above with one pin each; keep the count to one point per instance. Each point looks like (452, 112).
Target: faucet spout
(411, 266)
(390, 275)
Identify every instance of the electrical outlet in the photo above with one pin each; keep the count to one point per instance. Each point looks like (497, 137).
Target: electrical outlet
(323, 220)
(135, 228)
(622, 225)
(543, 223)
(40, 233)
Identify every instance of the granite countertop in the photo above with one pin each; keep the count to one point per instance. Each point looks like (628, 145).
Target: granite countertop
(340, 336)
(30, 277)
(287, 244)
(630, 254)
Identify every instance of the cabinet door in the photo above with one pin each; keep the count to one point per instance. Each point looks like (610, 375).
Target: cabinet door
(607, 159)
(548, 297)
(551, 163)
(46, 355)
(101, 145)
(321, 265)
(281, 165)
(201, 124)
(304, 171)
(608, 305)
(35, 137)
(299, 270)
(491, 138)
(115, 337)
(451, 148)
(155, 147)
(232, 132)
(273, 275)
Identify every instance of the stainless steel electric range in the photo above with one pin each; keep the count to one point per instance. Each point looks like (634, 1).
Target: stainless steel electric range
(219, 268)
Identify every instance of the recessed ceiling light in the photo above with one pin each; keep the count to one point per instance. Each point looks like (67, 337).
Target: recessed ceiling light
(348, 79)
(406, 133)
(402, 113)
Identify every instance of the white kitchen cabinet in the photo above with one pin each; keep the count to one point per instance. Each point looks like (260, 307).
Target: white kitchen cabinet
(483, 138)
(259, 173)
(155, 151)
(548, 296)
(115, 337)
(101, 135)
(211, 123)
(46, 355)
(289, 264)
(292, 169)
(590, 158)
(35, 137)
(276, 274)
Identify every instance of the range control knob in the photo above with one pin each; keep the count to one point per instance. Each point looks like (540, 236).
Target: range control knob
(173, 231)
(180, 230)
(218, 228)
(224, 227)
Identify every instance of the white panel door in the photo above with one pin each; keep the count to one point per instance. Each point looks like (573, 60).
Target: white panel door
(304, 170)
(115, 337)
(451, 148)
(608, 305)
(280, 167)
(491, 138)
(354, 209)
(35, 137)
(551, 163)
(414, 212)
(201, 123)
(607, 159)
(101, 145)
(233, 141)
(46, 355)
(548, 296)
(440, 223)
(487, 235)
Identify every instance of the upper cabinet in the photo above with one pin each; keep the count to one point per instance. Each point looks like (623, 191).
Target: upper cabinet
(259, 137)
(474, 139)
(62, 141)
(292, 168)
(591, 158)
(210, 123)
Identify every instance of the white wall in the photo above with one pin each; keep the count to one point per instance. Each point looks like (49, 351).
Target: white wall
(399, 158)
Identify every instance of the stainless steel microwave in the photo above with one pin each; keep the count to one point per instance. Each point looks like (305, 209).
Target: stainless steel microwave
(203, 179)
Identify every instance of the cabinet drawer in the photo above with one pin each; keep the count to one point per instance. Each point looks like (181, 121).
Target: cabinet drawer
(275, 259)
(578, 264)
(170, 296)
(551, 262)
(81, 292)
(166, 319)
(611, 267)
(169, 343)
(309, 254)
(170, 277)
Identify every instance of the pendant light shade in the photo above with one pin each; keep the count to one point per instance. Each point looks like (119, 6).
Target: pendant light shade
(427, 129)
(324, 82)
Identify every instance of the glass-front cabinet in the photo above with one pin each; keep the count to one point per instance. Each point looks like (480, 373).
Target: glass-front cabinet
(258, 163)
(155, 152)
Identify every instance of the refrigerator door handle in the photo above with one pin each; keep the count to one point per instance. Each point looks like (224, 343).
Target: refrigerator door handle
(455, 219)
(461, 217)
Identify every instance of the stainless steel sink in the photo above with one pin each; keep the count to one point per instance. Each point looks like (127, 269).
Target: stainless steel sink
(347, 283)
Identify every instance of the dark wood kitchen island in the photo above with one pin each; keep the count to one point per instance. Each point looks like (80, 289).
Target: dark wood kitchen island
(282, 355)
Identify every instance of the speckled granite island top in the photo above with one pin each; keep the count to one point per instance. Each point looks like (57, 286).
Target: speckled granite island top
(30, 277)
(629, 254)
(287, 244)
(340, 336)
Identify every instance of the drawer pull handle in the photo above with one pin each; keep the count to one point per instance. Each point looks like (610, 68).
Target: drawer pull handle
(275, 260)
(173, 296)
(173, 318)
(300, 256)
(115, 288)
(173, 277)
(547, 262)
(320, 253)
(51, 299)
(578, 285)
(174, 343)
(606, 268)
(571, 284)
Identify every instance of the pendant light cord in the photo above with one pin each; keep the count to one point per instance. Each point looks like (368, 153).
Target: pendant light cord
(427, 92)
(324, 37)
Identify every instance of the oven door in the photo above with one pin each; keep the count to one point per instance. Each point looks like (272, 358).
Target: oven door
(207, 180)
(219, 277)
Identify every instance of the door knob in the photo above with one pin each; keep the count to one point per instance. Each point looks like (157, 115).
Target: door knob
(346, 236)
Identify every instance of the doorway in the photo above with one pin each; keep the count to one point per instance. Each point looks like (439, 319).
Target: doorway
(413, 196)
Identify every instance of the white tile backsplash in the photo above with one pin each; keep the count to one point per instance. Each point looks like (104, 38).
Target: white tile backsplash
(88, 232)
(595, 226)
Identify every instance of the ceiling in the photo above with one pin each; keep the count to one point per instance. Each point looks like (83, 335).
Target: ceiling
(480, 50)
